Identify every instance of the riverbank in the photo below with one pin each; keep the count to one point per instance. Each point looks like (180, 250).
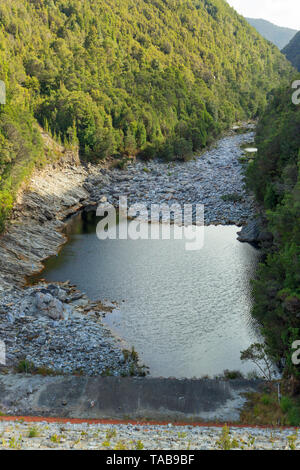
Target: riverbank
(214, 179)
(38, 322)
(53, 329)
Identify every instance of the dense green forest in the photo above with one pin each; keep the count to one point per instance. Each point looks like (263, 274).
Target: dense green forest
(125, 77)
(278, 35)
(275, 178)
(292, 51)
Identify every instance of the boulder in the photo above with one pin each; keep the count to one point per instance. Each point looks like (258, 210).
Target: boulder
(250, 232)
(50, 306)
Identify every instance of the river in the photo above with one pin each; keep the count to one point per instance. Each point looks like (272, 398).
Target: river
(187, 313)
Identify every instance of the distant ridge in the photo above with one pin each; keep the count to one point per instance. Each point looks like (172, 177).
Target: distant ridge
(276, 34)
(292, 51)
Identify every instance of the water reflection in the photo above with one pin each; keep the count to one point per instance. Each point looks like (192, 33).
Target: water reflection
(186, 313)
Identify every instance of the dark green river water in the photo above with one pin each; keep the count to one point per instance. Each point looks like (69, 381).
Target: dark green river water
(186, 313)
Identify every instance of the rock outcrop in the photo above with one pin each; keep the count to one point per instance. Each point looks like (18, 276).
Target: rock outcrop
(254, 232)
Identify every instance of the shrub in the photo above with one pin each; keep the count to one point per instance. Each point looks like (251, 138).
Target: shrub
(225, 442)
(148, 152)
(25, 367)
(234, 197)
(286, 404)
(266, 399)
(233, 374)
(139, 445)
(294, 416)
(33, 432)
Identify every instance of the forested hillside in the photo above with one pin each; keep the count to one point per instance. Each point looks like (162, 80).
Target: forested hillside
(275, 178)
(276, 34)
(126, 77)
(292, 51)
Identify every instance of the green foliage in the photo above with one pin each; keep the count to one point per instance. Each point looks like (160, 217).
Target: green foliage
(292, 440)
(125, 76)
(233, 375)
(278, 140)
(139, 445)
(286, 404)
(20, 150)
(294, 416)
(33, 432)
(15, 443)
(265, 409)
(234, 197)
(56, 439)
(25, 367)
(120, 164)
(291, 409)
(275, 177)
(266, 399)
(225, 442)
(258, 354)
(110, 434)
(292, 51)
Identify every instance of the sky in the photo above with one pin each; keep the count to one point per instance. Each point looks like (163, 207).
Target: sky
(281, 12)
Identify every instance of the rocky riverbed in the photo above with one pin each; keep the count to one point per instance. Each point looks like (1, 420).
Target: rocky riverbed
(52, 326)
(55, 329)
(83, 436)
(214, 179)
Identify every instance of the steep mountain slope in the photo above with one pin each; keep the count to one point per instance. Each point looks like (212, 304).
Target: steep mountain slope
(126, 76)
(276, 34)
(292, 51)
(275, 178)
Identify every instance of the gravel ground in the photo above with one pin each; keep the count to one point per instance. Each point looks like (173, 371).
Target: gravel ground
(204, 180)
(57, 328)
(16, 435)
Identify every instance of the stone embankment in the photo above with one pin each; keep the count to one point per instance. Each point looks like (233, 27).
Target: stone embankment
(121, 398)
